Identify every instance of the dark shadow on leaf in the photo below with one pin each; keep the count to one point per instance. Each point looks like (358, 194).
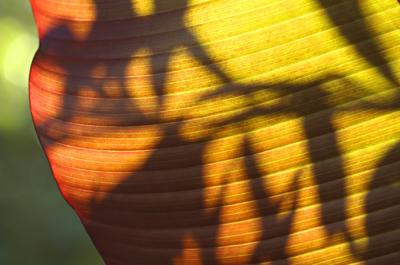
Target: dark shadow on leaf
(148, 216)
(348, 17)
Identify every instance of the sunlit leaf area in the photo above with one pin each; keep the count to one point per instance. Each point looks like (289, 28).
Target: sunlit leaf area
(36, 225)
(200, 132)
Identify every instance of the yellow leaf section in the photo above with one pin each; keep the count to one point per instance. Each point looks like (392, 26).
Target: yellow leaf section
(294, 42)
(299, 87)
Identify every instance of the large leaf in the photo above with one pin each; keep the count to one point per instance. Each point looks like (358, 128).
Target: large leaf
(224, 131)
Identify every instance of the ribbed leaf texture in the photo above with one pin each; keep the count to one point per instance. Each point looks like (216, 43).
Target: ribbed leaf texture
(224, 131)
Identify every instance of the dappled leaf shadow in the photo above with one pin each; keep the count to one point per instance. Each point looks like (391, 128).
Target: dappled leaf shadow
(382, 206)
(275, 230)
(348, 17)
(150, 212)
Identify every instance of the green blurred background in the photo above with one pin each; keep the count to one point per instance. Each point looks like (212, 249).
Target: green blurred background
(37, 227)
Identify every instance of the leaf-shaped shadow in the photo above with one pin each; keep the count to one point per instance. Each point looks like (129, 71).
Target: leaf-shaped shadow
(275, 231)
(354, 28)
(309, 102)
(147, 215)
(170, 181)
(383, 210)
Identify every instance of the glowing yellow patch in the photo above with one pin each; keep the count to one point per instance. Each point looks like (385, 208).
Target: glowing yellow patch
(139, 84)
(143, 7)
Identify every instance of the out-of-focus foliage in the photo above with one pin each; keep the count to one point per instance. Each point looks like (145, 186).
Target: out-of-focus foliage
(36, 225)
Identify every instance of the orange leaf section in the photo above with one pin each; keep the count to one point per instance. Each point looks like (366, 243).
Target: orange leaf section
(224, 131)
